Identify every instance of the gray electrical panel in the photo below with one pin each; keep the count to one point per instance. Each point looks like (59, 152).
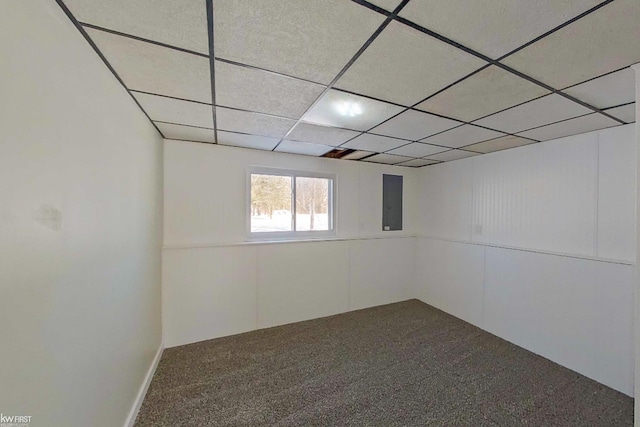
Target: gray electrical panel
(391, 202)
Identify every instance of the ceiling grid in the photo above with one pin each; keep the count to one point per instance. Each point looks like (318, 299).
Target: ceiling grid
(390, 82)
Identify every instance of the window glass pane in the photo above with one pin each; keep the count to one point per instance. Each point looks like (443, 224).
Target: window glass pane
(270, 203)
(312, 203)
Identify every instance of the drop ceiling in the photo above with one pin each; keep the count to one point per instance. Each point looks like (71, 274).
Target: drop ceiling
(410, 83)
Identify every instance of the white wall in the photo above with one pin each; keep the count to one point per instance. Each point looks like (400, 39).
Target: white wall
(206, 193)
(216, 284)
(535, 245)
(80, 227)
(637, 241)
(573, 196)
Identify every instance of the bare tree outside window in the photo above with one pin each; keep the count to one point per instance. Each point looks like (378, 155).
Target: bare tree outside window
(312, 203)
(270, 203)
(285, 203)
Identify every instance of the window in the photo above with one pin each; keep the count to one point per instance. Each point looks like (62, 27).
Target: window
(290, 204)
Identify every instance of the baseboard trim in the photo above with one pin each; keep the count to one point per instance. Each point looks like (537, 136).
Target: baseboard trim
(133, 413)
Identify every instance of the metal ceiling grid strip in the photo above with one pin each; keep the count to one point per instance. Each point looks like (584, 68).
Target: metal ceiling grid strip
(180, 124)
(621, 105)
(141, 39)
(212, 66)
(170, 97)
(553, 30)
(79, 27)
(595, 78)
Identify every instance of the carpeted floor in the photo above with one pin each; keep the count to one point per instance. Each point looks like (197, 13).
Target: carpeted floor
(404, 364)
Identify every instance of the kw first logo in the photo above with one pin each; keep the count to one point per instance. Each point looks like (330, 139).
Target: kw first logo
(14, 420)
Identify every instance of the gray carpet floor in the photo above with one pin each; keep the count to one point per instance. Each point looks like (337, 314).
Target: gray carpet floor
(404, 364)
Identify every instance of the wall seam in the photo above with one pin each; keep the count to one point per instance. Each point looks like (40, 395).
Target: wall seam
(473, 199)
(484, 286)
(257, 270)
(535, 251)
(349, 276)
(597, 196)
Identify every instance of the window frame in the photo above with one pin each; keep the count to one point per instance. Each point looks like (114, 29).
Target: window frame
(293, 234)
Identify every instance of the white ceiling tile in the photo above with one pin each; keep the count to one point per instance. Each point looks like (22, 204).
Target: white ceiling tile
(461, 136)
(388, 159)
(253, 123)
(493, 27)
(490, 90)
(414, 125)
(165, 109)
(150, 68)
(181, 23)
(613, 89)
(451, 155)
(542, 111)
(247, 141)
(575, 126)
(389, 5)
(403, 65)
(376, 143)
(328, 111)
(297, 147)
(307, 39)
(624, 112)
(418, 162)
(263, 92)
(498, 144)
(602, 41)
(187, 133)
(356, 155)
(325, 135)
(417, 149)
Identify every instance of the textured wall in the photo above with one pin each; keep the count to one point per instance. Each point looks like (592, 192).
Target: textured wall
(536, 245)
(573, 195)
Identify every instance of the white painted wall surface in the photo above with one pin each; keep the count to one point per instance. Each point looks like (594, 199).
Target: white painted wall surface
(217, 284)
(80, 227)
(616, 194)
(446, 200)
(637, 241)
(540, 196)
(451, 278)
(206, 192)
(210, 292)
(573, 195)
(576, 312)
(523, 209)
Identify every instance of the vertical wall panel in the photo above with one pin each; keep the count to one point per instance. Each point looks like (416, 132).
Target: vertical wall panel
(505, 188)
(450, 278)
(208, 293)
(541, 196)
(574, 195)
(576, 312)
(445, 200)
(616, 191)
(302, 281)
(382, 271)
